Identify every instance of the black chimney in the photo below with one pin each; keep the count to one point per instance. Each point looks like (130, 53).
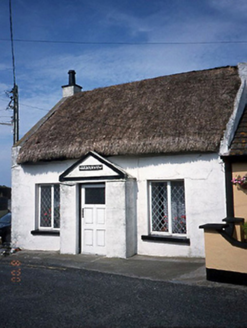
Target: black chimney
(72, 87)
(71, 77)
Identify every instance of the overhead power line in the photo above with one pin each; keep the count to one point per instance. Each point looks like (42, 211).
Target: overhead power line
(127, 43)
(35, 107)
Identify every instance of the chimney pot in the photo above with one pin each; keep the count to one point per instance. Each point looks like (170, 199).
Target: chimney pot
(71, 77)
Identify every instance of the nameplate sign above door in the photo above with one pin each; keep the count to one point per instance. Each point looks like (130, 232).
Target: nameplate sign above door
(92, 167)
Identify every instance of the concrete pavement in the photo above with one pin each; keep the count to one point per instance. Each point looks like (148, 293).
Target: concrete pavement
(177, 270)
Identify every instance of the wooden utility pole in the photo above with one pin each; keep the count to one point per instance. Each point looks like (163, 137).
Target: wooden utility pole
(15, 114)
(14, 91)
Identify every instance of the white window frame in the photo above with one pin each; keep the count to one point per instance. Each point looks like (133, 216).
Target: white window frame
(169, 232)
(52, 185)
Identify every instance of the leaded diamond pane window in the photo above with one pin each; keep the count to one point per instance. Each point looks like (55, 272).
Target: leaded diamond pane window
(45, 206)
(178, 207)
(159, 206)
(49, 206)
(56, 207)
(168, 207)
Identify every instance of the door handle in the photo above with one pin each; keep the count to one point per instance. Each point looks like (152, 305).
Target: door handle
(82, 213)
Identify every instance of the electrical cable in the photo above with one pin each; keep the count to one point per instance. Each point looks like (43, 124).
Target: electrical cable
(127, 43)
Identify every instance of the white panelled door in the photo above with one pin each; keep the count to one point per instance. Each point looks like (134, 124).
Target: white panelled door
(93, 219)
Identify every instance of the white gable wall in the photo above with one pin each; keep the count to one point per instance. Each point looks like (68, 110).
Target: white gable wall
(204, 194)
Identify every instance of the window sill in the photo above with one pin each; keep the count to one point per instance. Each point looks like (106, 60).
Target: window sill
(45, 233)
(167, 239)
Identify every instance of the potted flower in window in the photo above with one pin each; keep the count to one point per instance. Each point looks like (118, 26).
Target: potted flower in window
(240, 181)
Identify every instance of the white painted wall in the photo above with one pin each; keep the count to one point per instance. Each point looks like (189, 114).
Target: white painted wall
(204, 195)
(69, 224)
(131, 217)
(121, 218)
(115, 219)
(24, 181)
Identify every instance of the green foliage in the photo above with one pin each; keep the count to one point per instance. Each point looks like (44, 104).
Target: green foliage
(244, 228)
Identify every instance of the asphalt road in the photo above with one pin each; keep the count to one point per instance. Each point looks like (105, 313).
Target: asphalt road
(46, 297)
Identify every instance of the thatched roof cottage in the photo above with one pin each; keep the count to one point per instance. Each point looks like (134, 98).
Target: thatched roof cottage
(130, 168)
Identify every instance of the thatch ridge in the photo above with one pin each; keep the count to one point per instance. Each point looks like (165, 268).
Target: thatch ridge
(185, 112)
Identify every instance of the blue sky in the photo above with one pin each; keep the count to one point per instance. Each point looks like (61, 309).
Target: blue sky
(176, 36)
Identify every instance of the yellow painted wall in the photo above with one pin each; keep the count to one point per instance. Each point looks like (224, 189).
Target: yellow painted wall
(239, 194)
(221, 255)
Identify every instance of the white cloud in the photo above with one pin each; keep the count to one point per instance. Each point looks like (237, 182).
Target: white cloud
(132, 23)
(4, 67)
(33, 109)
(234, 8)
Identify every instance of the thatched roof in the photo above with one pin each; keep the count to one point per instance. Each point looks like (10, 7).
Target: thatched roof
(170, 114)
